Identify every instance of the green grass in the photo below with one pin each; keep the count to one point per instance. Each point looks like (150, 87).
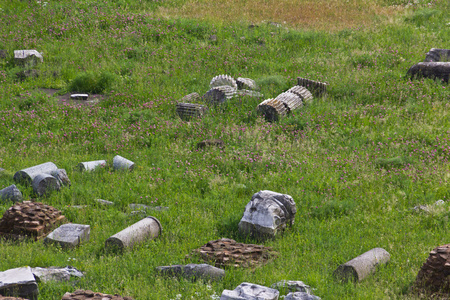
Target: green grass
(355, 162)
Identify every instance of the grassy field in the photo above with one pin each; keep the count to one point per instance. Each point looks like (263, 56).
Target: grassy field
(356, 162)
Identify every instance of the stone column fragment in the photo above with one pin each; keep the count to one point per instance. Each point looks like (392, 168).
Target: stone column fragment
(360, 267)
(317, 88)
(187, 111)
(439, 70)
(44, 184)
(19, 282)
(250, 291)
(11, 193)
(121, 163)
(69, 235)
(27, 175)
(147, 228)
(61, 177)
(90, 165)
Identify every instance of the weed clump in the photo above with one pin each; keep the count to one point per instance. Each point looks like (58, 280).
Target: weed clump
(91, 83)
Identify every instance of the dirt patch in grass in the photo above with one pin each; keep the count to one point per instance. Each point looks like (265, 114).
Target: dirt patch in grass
(65, 98)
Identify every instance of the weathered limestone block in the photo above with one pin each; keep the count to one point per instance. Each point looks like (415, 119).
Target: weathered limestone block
(147, 228)
(290, 100)
(317, 88)
(292, 286)
(30, 57)
(246, 83)
(267, 214)
(55, 274)
(18, 282)
(61, 177)
(91, 165)
(69, 235)
(219, 94)
(27, 175)
(300, 296)
(79, 96)
(249, 291)
(360, 267)
(303, 93)
(121, 163)
(434, 54)
(44, 184)
(272, 109)
(222, 80)
(187, 111)
(192, 271)
(439, 70)
(11, 193)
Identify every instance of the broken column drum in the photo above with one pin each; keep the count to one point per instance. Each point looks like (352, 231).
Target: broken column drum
(434, 70)
(27, 175)
(272, 109)
(219, 94)
(11, 193)
(360, 267)
(290, 100)
(121, 163)
(187, 111)
(61, 177)
(302, 92)
(147, 228)
(434, 54)
(44, 184)
(246, 83)
(190, 97)
(223, 80)
(315, 87)
(19, 282)
(267, 214)
(91, 165)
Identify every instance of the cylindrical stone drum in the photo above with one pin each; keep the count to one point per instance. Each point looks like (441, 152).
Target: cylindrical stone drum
(91, 165)
(44, 184)
(147, 228)
(11, 193)
(27, 175)
(121, 163)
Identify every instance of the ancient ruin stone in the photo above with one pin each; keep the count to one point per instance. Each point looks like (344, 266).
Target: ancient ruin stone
(434, 275)
(292, 286)
(290, 100)
(18, 282)
(362, 266)
(434, 70)
(55, 274)
(272, 109)
(91, 165)
(317, 88)
(222, 80)
(267, 214)
(27, 57)
(30, 219)
(44, 184)
(121, 163)
(69, 235)
(61, 177)
(301, 296)
(90, 295)
(303, 93)
(27, 175)
(79, 96)
(434, 54)
(219, 94)
(250, 291)
(208, 143)
(227, 252)
(10, 193)
(192, 271)
(147, 228)
(246, 83)
(187, 111)
(104, 202)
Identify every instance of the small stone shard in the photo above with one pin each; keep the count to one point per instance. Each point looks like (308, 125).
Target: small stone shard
(104, 202)
(246, 83)
(210, 143)
(61, 177)
(69, 235)
(301, 296)
(91, 165)
(292, 286)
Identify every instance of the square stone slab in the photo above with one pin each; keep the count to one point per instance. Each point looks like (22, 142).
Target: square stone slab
(69, 235)
(18, 282)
